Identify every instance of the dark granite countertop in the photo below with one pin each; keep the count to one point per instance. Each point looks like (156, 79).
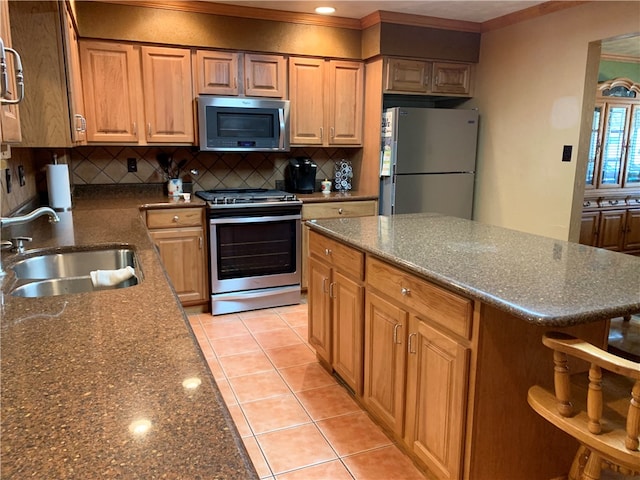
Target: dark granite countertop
(541, 280)
(80, 372)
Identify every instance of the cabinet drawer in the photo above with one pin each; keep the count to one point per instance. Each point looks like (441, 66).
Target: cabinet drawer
(427, 300)
(346, 259)
(339, 209)
(174, 217)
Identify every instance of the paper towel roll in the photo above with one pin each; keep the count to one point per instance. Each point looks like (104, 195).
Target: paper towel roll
(59, 188)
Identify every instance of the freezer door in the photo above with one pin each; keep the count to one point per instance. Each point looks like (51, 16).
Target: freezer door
(448, 194)
(435, 140)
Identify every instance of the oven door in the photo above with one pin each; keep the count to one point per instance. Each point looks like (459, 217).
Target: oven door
(254, 252)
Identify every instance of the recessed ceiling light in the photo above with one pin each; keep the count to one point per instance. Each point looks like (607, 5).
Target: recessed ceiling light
(325, 10)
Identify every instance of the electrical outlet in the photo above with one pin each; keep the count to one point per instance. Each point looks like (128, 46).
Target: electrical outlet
(21, 180)
(132, 165)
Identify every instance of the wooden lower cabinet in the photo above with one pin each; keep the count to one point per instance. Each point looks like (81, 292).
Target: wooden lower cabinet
(332, 209)
(617, 229)
(416, 383)
(182, 249)
(385, 352)
(336, 298)
(437, 374)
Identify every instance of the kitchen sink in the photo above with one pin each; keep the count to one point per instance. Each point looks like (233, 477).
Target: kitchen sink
(66, 272)
(73, 264)
(64, 286)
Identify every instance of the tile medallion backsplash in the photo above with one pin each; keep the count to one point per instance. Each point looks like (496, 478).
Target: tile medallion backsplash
(108, 165)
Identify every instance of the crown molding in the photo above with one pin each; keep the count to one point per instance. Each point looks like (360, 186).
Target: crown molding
(528, 14)
(383, 16)
(195, 6)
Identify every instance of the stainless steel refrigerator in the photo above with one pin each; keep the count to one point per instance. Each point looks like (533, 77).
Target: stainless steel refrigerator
(428, 161)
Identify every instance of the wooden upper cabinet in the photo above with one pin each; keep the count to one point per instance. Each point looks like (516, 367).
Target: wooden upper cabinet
(9, 114)
(402, 75)
(217, 72)
(451, 78)
(346, 96)
(168, 97)
(265, 76)
(137, 94)
(326, 101)
(233, 73)
(111, 87)
(74, 80)
(427, 78)
(306, 92)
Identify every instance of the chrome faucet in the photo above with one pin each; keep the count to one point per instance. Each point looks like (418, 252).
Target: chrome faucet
(17, 243)
(38, 212)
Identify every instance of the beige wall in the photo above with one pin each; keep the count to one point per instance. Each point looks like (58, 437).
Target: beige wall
(529, 89)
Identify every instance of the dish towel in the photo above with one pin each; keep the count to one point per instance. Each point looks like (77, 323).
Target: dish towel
(109, 278)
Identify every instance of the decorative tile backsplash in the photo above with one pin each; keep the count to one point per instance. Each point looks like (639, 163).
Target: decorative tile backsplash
(108, 165)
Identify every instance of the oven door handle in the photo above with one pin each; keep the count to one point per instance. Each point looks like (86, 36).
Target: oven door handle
(275, 218)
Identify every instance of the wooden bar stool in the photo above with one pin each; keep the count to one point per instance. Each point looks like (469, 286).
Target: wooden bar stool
(601, 409)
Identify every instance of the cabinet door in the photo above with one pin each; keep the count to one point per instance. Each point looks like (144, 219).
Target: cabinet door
(320, 309)
(217, 72)
(407, 76)
(168, 98)
(265, 75)
(347, 323)
(74, 81)
(306, 91)
(632, 164)
(385, 331)
(9, 114)
(613, 149)
(111, 88)
(345, 97)
(183, 256)
(589, 228)
(453, 78)
(610, 229)
(437, 371)
(595, 147)
(632, 230)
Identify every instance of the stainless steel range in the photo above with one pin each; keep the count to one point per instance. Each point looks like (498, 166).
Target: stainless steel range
(254, 248)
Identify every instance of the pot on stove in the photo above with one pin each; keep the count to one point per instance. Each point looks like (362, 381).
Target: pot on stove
(300, 175)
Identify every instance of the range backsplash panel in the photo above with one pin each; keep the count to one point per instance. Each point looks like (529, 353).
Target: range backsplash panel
(99, 165)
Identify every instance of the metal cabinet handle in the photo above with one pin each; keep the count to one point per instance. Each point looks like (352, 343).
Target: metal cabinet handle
(405, 291)
(395, 334)
(135, 129)
(149, 128)
(324, 285)
(332, 132)
(321, 133)
(82, 127)
(327, 251)
(331, 285)
(410, 349)
(5, 82)
(339, 211)
(201, 242)
(176, 219)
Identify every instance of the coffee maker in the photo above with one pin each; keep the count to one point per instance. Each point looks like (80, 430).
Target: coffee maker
(300, 175)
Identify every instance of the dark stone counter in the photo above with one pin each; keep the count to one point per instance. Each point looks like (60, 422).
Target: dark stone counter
(82, 373)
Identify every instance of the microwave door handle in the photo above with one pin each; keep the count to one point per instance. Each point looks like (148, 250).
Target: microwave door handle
(282, 126)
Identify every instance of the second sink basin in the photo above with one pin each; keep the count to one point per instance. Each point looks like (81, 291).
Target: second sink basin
(62, 286)
(73, 264)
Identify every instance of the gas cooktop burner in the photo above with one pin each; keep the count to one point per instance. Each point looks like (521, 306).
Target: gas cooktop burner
(235, 196)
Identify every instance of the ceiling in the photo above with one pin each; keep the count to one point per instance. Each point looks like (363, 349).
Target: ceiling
(478, 11)
(471, 10)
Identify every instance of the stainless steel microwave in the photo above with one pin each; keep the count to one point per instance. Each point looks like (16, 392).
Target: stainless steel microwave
(240, 124)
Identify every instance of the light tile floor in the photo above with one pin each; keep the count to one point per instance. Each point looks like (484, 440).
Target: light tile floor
(296, 420)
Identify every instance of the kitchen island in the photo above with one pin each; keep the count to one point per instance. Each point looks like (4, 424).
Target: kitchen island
(109, 384)
(449, 316)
